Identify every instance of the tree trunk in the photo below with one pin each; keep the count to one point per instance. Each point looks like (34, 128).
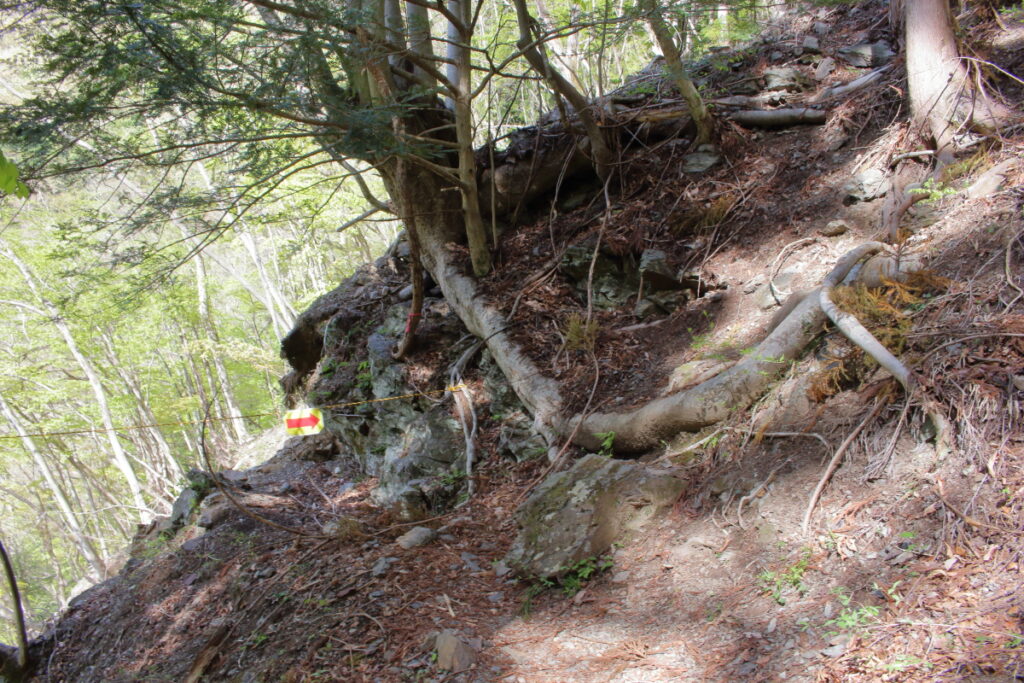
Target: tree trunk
(942, 101)
(233, 414)
(58, 493)
(674, 65)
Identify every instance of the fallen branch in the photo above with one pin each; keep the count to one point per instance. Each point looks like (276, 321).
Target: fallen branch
(853, 86)
(778, 118)
(833, 464)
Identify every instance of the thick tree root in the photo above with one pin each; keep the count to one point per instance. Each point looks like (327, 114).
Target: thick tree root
(538, 393)
(856, 333)
(734, 389)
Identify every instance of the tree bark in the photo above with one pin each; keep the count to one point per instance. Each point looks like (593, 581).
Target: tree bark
(942, 101)
(674, 64)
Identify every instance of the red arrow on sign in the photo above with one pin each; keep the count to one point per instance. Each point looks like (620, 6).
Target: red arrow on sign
(299, 422)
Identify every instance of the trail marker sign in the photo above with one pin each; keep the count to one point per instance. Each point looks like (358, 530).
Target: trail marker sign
(304, 421)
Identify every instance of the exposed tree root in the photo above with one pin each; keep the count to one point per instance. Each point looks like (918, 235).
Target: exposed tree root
(858, 334)
(712, 401)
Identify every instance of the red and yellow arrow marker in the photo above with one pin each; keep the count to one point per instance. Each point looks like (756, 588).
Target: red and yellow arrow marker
(304, 421)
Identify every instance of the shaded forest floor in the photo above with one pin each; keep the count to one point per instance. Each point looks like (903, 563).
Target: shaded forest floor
(911, 568)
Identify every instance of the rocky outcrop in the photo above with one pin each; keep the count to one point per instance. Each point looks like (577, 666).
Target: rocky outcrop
(579, 513)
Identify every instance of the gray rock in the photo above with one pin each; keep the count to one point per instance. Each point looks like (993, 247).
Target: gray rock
(578, 513)
(700, 162)
(820, 28)
(453, 654)
(417, 536)
(782, 283)
(824, 69)
(835, 228)
(867, 54)
(867, 185)
(380, 568)
(810, 44)
(500, 568)
(518, 439)
(431, 447)
(495, 597)
(646, 309)
(656, 271)
(786, 78)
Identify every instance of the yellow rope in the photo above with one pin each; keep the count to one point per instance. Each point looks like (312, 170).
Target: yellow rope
(457, 387)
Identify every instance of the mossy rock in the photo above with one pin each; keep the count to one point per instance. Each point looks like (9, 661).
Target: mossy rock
(579, 513)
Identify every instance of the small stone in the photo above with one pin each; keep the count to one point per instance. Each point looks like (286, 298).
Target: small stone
(415, 537)
(382, 565)
(453, 654)
(824, 69)
(834, 651)
(867, 185)
(495, 597)
(700, 162)
(820, 28)
(835, 228)
(469, 559)
(620, 577)
(776, 56)
(1018, 382)
(810, 44)
(500, 568)
(867, 54)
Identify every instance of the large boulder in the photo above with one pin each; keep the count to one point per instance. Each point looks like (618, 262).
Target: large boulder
(579, 513)
(422, 467)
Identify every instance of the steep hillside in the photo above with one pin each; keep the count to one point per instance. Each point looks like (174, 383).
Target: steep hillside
(842, 527)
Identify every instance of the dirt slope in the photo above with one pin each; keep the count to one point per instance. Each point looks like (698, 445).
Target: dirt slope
(911, 567)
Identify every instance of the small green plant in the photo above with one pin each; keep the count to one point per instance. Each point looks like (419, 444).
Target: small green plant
(533, 590)
(581, 572)
(852, 619)
(364, 378)
(453, 477)
(776, 583)
(934, 190)
(607, 442)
